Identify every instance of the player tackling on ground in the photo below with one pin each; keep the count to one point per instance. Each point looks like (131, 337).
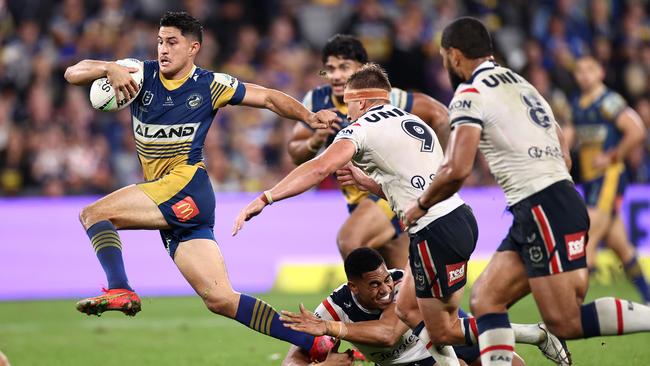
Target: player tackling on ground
(397, 149)
(544, 253)
(371, 221)
(171, 117)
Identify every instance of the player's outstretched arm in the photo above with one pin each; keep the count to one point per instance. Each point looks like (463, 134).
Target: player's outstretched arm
(457, 166)
(433, 113)
(286, 106)
(384, 332)
(299, 180)
(86, 71)
(306, 143)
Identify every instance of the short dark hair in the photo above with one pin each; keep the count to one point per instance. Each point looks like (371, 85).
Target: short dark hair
(187, 24)
(369, 76)
(345, 46)
(469, 36)
(360, 261)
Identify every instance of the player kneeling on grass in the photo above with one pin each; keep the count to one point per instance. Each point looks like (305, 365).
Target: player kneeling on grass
(398, 149)
(362, 311)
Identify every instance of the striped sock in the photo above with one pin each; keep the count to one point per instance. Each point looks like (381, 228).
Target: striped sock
(108, 248)
(496, 339)
(635, 274)
(261, 317)
(444, 355)
(610, 316)
(468, 327)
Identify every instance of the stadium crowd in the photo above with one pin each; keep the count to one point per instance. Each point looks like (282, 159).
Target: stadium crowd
(53, 143)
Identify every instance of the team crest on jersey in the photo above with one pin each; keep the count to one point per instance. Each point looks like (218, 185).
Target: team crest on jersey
(147, 97)
(194, 101)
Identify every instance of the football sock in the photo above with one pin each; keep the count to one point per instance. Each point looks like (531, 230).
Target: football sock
(444, 355)
(261, 317)
(468, 327)
(496, 339)
(635, 273)
(108, 248)
(611, 316)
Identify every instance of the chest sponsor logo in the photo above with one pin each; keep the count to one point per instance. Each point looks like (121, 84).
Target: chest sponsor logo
(145, 132)
(185, 209)
(194, 101)
(455, 273)
(147, 97)
(575, 245)
(169, 102)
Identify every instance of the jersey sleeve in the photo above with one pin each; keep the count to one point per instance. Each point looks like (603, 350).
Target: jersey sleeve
(612, 105)
(225, 89)
(355, 133)
(328, 310)
(401, 99)
(465, 108)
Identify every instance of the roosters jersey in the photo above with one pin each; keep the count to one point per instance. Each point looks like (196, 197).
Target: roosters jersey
(401, 153)
(321, 98)
(171, 118)
(342, 305)
(518, 136)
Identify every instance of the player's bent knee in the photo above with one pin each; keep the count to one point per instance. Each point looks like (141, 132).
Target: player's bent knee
(89, 215)
(222, 305)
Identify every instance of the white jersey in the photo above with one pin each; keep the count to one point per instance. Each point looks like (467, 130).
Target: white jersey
(518, 135)
(341, 305)
(401, 153)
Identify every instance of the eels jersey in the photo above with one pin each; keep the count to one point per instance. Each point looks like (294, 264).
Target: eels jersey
(171, 117)
(342, 305)
(596, 131)
(518, 135)
(401, 153)
(321, 98)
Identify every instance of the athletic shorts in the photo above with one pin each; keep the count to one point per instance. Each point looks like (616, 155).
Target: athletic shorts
(468, 354)
(385, 207)
(186, 200)
(606, 192)
(439, 252)
(549, 230)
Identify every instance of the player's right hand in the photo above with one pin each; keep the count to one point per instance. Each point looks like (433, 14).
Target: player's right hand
(253, 209)
(350, 175)
(120, 78)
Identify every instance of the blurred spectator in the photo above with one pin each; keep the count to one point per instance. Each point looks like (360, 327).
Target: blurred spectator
(53, 143)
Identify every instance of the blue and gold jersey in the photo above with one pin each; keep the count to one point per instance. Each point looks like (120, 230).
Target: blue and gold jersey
(171, 117)
(596, 131)
(321, 98)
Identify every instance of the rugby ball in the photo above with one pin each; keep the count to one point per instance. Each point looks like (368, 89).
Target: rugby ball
(102, 95)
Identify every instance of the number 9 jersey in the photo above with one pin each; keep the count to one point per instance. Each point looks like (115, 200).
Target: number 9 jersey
(518, 137)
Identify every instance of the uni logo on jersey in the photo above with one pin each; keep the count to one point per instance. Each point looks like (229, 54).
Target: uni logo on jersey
(164, 133)
(185, 209)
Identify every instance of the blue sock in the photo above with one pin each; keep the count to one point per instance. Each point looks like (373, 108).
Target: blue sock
(635, 273)
(589, 320)
(108, 248)
(261, 317)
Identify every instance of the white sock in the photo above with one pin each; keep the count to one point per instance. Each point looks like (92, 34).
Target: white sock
(496, 339)
(616, 316)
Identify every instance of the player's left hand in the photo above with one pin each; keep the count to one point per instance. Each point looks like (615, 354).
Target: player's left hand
(322, 119)
(304, 322)
(413, 214)
(253, 209)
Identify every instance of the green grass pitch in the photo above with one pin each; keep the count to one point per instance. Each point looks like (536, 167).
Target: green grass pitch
(180, 331)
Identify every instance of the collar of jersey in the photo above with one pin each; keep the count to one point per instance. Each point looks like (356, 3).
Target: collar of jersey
(343, 108)
(485, 65)
(170, 84)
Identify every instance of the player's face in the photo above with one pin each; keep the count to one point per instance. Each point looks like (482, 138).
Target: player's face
(588, 74)
(175, 51)
(337, 71)
(375, 289)
(455, 77)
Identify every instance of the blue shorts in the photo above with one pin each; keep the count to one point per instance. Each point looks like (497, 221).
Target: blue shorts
(186, 200)
(606, 192)
(385, 207)
(549, 230)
